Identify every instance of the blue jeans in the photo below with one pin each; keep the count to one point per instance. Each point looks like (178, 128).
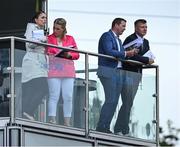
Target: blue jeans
(112, 89)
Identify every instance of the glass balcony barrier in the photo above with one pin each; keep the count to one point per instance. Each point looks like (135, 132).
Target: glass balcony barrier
(4, 80)
(59, 104)
(142, 116)
(142, 111)
(88, 92)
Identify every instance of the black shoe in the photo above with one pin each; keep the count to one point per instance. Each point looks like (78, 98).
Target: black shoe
(108, 131)
(104, 130)
(122, 133)
(125, 134)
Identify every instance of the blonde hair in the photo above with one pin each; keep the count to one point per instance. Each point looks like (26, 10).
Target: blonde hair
(62, 22)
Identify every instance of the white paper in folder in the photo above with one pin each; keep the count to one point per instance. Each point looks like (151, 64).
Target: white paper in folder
(134, 44)
(149, 54)
(38, 34)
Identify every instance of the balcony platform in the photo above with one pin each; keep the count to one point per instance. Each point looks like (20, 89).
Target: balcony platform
(28, 133)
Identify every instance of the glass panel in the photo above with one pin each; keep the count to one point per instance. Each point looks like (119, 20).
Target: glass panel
(79, 93)
(58, 99)
(72, 93)
(103, 118)
(19, 54)
(1, 137)
(95, 101)
(31, 87)
(4, 80)
(141, 125)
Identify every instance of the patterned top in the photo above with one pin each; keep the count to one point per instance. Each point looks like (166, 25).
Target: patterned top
(61, 67)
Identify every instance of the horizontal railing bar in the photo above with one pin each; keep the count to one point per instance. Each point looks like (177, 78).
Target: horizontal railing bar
(79, 51)
(63, 48)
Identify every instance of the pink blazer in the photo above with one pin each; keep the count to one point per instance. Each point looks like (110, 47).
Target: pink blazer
(61, 67)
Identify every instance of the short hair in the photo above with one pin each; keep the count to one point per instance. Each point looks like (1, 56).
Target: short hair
(62, 22)
(143, 21)
(117, 21)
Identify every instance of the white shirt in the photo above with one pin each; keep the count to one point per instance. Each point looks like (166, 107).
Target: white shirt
(119, 49)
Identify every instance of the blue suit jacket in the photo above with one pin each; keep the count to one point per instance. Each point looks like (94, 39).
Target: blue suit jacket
(108, 46)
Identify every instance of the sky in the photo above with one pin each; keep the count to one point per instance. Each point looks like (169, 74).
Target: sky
(88, 19)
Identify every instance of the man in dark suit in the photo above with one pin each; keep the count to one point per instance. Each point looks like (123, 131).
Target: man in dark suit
(133, 74)
(109, 71)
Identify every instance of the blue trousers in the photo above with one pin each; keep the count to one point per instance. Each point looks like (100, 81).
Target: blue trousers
(112, 89)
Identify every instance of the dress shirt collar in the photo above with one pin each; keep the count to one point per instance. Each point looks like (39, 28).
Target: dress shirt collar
(139, 37)
(116, 36)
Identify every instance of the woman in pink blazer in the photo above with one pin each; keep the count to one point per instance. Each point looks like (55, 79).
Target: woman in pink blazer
(61, 71)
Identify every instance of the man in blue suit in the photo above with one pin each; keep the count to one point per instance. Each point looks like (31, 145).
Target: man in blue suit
(133, 74)
(109, 71)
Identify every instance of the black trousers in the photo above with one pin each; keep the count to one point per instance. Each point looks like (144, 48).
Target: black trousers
(33, 92)
(4, 109)
(128, 93)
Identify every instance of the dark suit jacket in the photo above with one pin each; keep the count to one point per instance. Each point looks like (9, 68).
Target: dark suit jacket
(108, 46)
(139, 57)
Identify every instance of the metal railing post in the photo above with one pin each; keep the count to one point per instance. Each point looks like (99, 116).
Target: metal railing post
(86, 95)
(157, 105)
(12, 100)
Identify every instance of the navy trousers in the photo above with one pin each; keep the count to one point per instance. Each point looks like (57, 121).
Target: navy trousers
(112, 90)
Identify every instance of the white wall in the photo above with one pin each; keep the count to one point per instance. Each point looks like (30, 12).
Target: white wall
(88, 19)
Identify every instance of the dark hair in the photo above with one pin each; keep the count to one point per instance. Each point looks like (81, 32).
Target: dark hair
(117, 21)
(37, 15)
(140, 21)
(62, 22)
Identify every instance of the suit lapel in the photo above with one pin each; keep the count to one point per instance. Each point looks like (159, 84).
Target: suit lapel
(115, 42)
(113, 39)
